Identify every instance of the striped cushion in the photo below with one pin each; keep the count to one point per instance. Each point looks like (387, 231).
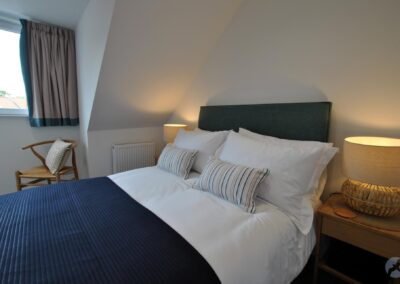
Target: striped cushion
(236, 184)
(176, 160)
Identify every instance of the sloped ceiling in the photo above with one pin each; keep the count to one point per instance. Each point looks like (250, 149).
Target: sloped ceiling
(64, 13)
(153, 52)
(91, 38)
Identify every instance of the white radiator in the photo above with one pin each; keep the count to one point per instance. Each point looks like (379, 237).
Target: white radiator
(132, 156)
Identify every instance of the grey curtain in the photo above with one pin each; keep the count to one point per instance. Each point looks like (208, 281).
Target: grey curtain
(50, 52)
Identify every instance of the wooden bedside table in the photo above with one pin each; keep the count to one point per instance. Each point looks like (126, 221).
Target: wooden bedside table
(362, 231)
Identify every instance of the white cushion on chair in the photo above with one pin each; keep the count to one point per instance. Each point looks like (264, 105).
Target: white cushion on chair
(56, 157)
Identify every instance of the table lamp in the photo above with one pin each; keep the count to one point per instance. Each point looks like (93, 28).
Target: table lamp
(171, 130)
(372, 165)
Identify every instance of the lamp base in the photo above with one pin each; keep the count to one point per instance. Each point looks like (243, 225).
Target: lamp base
(372, 199)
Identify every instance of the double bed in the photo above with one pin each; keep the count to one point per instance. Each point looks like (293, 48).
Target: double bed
(150, 226)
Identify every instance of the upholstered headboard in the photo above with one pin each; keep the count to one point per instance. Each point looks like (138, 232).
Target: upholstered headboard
(297, 121)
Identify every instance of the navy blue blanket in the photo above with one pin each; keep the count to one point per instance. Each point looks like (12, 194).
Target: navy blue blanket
(91, 231)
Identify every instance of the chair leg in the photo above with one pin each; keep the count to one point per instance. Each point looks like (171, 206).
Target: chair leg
(57, 178)
(48, 181)
(74, 165)
(76, 175)
(18, 180)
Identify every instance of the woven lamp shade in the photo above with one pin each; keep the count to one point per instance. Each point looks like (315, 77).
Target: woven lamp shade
(372, 165)
(171, 130)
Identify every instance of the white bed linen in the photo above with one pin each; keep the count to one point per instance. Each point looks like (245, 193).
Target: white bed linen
(265, 247)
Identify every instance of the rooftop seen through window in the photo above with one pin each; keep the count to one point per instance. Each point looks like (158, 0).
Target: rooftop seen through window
(12, 90)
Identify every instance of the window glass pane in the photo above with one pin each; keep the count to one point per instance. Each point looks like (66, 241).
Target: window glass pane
(12, 90)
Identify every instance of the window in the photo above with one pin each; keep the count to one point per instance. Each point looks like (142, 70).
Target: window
(12, 89)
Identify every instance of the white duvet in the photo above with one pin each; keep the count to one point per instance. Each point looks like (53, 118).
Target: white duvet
(265, 247)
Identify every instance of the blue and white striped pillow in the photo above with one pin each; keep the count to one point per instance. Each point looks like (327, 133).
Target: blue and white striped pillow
(234, 183)
(176, 160)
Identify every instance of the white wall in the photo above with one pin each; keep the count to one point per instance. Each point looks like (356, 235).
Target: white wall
(91, 39)
(154, 50)
(346, 52)
(99, 155)
(16, 133)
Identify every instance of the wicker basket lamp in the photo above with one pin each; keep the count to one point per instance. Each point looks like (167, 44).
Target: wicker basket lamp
(372, 165)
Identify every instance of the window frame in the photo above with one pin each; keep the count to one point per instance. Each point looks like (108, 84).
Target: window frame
(11, 25)
(13, 112)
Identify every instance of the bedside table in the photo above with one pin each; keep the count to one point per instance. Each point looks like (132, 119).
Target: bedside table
(366, 232)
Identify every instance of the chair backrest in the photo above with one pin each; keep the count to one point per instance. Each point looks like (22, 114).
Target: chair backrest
(43, 159)
(73, 142)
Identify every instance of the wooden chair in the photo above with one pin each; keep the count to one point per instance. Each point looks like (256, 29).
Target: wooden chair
(41, 173)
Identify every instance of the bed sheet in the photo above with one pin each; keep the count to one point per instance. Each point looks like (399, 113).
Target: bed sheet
(265, 247)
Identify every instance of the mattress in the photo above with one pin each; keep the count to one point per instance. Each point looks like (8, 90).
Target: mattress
(265, 247)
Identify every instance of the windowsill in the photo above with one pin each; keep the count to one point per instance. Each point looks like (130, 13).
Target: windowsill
(14, 112)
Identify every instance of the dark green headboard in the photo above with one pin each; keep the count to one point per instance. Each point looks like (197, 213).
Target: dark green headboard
(297, 121)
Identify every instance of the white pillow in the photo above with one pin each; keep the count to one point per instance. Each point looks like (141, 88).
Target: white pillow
(205, 142)
(315, 198)
(226, 132)
(321, 185)
(57, 155)
(294, 173)
(328, 152)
